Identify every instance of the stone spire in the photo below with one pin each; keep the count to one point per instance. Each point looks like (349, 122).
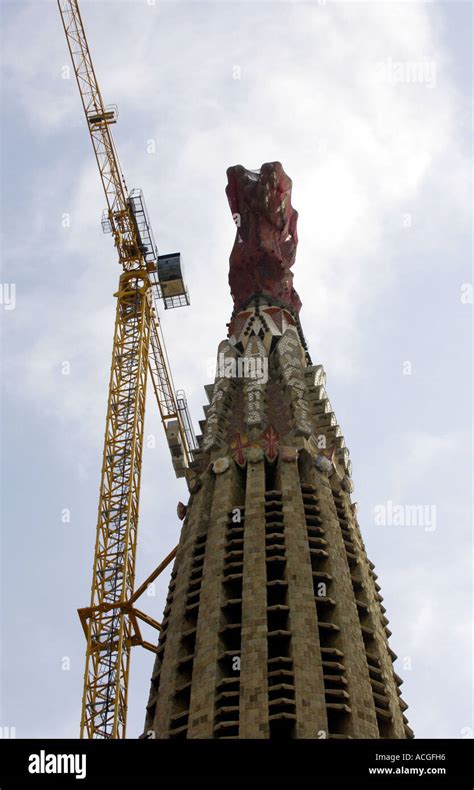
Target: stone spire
(274, 624)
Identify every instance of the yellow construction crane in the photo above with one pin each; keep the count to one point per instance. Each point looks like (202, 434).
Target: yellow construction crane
(111, 621)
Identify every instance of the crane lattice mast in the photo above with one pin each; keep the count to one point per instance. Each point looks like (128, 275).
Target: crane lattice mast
(111, 621)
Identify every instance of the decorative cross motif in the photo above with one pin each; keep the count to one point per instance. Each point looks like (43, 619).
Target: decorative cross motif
(237, 447)
(270, 442)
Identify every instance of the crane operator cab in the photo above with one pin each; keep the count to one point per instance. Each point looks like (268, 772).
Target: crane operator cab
(171, 280)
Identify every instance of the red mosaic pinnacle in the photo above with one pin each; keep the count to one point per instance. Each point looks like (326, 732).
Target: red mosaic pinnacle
(265, 245)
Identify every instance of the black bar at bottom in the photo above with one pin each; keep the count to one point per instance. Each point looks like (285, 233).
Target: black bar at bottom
(296, 763)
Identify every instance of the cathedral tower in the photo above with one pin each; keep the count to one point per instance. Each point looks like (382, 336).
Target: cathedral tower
(274, 625)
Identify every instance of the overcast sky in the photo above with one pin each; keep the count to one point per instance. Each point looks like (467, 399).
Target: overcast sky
(368, 107)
